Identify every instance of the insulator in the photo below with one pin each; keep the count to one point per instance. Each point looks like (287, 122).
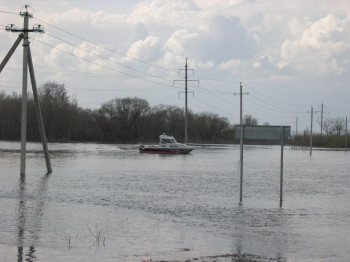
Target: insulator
(38, 28)
(10, 27)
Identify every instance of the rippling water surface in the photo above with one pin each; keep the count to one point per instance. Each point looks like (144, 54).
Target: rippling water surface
(111, 203)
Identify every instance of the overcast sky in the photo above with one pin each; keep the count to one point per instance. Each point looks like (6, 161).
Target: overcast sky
(289, 55)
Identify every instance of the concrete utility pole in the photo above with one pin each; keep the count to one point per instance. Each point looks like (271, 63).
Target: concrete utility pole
(24, 93)
(241, 140)
(321, 118)
(27, 61)
(296, 133)
(186, 92)
(312, 115)
(346, 133)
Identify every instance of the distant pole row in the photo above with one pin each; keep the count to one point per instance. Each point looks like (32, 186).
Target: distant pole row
(312, 112)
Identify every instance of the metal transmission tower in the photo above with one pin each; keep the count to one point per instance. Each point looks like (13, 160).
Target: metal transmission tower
(322, 106)
(186, 91)
(27, 63)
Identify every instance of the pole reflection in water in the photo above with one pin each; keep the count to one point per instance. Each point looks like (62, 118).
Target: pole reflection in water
(249, 221)
(30, 212)
(21, 216)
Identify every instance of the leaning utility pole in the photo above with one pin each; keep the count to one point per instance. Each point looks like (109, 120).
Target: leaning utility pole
(186, 80)
(27, 62)
(241, 140)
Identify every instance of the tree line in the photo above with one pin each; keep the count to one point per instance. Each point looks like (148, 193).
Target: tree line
(131, 120)
(120, 120)
(334, 135)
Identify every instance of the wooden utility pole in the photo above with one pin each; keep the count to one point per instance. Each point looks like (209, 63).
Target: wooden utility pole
(27, 62)
(186, 92)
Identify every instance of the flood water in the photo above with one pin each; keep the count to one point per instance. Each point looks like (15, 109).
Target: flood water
(111, 203)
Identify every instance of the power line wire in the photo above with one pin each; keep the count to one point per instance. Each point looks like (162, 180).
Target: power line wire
(109, 68)
(273, 107)
(217, 108)
(217, 80)
(113, 51)
(105, 58)
(7, 12)
(70, 72)
(113, 90)
(269, 97)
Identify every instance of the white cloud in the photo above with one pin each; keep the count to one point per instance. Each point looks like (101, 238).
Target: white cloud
(167, 12)
(147, 49)
(175, 43)
(59, 57)
(319, 48)
(230, 65)
(207, 64)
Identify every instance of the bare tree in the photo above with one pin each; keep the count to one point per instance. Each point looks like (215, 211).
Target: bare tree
(249, 120)
(124, 116)
(328, 126)
(339, 125)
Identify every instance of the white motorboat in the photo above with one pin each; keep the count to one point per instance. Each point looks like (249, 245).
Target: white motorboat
(167, 145)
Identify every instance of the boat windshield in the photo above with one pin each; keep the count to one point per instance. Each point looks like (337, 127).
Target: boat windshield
(167, 141)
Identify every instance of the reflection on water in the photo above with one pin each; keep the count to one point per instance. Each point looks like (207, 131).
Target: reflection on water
(32, 216)
(29, 256)
(104, 203)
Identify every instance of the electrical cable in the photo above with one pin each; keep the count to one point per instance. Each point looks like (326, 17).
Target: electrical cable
(274, 98)
(67, 72)
(211, 105)
(217, 80)
(109, 68)
(105, 58)
(272, 107)
(7, 12)
(108, 49)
